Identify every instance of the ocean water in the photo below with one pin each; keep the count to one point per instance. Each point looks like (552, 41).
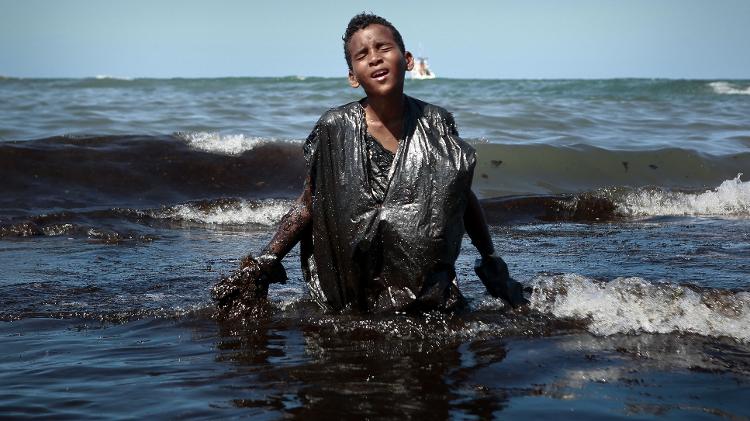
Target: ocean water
(621, 205)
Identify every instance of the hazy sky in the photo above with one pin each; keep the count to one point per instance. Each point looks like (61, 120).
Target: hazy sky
(463, 38)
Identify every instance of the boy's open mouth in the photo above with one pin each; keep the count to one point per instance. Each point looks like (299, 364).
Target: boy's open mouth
(377, 74)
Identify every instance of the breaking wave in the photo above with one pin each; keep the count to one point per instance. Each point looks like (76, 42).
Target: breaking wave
(229, 144)
(98, 224)
(559, 304)
(633, 305)
(227, 212)
(726, 88)
(84, 173)
(109, 77)
(731, 198)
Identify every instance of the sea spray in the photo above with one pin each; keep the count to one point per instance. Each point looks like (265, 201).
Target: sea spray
(227, 212)
(633, 305)
(731, 198)
(229, 144)
(726, 88)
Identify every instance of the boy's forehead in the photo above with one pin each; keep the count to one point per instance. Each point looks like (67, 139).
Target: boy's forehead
(372, 31)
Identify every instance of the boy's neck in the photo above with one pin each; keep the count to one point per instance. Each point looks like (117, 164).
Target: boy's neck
(385, 110)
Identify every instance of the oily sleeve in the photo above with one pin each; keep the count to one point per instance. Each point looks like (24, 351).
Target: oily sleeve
(318, 135)
(310, 151)
(310, 147)
(443, 120)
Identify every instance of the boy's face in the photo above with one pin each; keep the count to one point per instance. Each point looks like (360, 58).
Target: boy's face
(378, 65)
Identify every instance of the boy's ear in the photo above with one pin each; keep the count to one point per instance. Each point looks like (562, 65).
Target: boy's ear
(353, 82)
(409, 61)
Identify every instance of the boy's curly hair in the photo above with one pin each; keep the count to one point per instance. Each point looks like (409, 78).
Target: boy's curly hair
(363, 20)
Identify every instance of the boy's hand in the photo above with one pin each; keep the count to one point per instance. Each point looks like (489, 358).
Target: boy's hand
(494, 274)
(248, 286)
(267, 268)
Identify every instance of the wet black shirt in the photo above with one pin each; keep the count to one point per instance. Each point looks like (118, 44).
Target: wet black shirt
(379, 166)
(385, 235)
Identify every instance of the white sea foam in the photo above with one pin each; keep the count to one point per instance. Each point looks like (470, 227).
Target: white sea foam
(267, 212)
(286, 297)
(726, 88)
(108, 77)
(731, 198)
(229, 144)
(632, 305)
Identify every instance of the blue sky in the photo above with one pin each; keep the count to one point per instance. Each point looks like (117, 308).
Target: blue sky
(463, 38)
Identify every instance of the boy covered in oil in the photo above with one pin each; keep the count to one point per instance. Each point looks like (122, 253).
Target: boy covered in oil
(386, 201)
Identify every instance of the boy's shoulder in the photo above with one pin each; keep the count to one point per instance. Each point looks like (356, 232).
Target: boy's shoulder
(427, 109)
(433, 112)
(336, 115)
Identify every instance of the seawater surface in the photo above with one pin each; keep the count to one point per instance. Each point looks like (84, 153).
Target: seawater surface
(621, 205)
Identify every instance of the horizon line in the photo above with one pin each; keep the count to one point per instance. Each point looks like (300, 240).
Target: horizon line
(304, 77)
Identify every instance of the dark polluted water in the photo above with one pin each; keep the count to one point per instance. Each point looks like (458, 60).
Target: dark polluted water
(629, 319)
(619, 204)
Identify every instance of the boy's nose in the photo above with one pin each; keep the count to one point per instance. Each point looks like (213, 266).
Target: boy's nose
(375, 59)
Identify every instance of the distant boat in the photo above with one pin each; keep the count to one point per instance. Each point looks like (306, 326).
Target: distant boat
(421, 69)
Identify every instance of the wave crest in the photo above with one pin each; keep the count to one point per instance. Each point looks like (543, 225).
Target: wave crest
(726, 88)
(227, 212)
(731, 198)
(228, 144)
(633, 305)
(110, 77)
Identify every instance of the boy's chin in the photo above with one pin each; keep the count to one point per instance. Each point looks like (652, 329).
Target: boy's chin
(385, 90)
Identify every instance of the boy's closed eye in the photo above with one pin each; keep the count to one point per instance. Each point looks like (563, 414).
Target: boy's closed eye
(360, 54)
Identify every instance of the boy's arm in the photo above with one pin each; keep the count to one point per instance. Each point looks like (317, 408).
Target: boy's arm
(474, 221)
(291, 226)
(476, 226)
(288, 234)
(491, 269)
